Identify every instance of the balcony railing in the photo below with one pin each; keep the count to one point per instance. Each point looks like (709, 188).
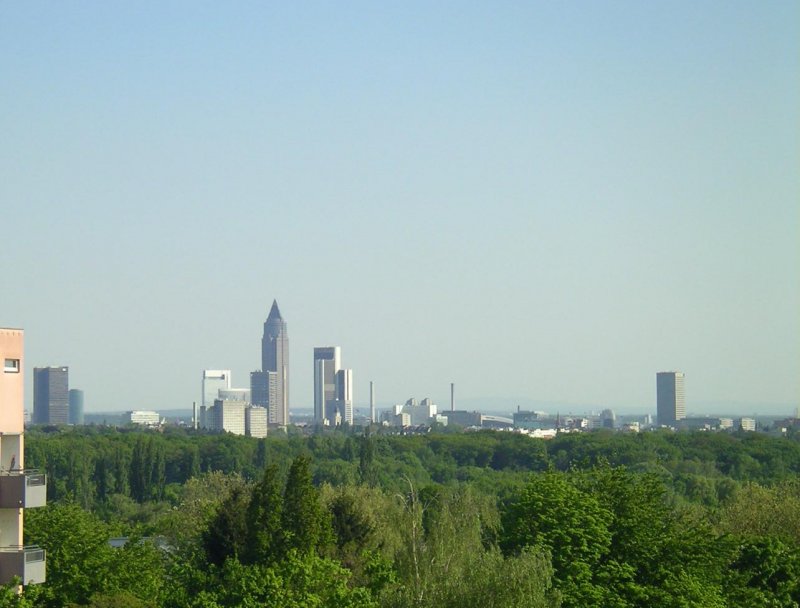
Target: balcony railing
(22, 488)
(26, 563)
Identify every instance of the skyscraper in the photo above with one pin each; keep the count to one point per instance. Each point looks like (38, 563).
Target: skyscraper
(213, 380)
(275, 358)
(327, 361)
(333, 387)
(75, 406)
(50, 395)
(670, 399)
(344, 395)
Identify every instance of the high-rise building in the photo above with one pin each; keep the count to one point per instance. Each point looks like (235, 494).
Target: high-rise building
(275, 358)
(264, 392)
(333, 388)
(75, 406)
(372, 418)
(327, 361)
(50, 395)
(344, 395)
(213, 380)
(670, 398)
(20, 488)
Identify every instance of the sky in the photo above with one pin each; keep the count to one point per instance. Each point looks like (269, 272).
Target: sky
(537, 201)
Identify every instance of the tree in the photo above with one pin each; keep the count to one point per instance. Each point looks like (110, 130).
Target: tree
(81, 563)
(200, 501)
(366, 459)
(764, 572)
(447, 559)
(140, 471)
(264, 515)
(554, 515)
(226, 537)
(299, 581)
(306, 527)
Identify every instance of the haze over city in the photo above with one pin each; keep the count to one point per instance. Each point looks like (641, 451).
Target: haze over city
(541, 203)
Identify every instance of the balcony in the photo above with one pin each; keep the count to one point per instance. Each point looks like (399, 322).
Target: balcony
(27, 563)
(22, 488)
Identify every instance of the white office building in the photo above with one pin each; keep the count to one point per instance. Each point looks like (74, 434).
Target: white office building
(144, 417)
(226, 416)
(213, 381)
(412, 413)
(255, 421)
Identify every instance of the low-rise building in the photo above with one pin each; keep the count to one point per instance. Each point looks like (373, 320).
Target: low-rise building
(747, 424)
(413, 414)
(144, 417)
(464, 418)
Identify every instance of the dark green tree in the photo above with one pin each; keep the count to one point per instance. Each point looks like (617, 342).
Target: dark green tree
(140, 471)
(226, 537)
(305, 525)
(157, 459)
(121, 471)
(764, 572)
(261, 453)
(366, 459)
(265, 543)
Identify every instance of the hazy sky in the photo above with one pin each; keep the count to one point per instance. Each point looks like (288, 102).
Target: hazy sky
(546, 201)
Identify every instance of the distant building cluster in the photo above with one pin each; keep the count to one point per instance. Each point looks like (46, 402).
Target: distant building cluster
(411, 413)
(266, 403)
(229, 409)
(253, 410)
(250, 411)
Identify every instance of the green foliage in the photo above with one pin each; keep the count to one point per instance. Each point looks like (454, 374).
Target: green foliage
(764, 511)
(81, 563)
(616, 540)
(198, 503)
(297, 581)
(227, 536)
(445, 545)
(552, 514)
(265, 542)
(305, 526)
(764, 572)
(651, 519)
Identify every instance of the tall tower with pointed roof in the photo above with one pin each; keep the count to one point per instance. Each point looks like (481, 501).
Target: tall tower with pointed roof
(275, 358)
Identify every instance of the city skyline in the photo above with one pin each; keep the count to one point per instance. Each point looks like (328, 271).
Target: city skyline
(537, 202)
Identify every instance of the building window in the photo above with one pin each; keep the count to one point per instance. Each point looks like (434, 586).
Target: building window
(11, 366)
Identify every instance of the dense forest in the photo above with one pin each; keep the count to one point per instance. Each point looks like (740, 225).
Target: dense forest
(357, 519)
